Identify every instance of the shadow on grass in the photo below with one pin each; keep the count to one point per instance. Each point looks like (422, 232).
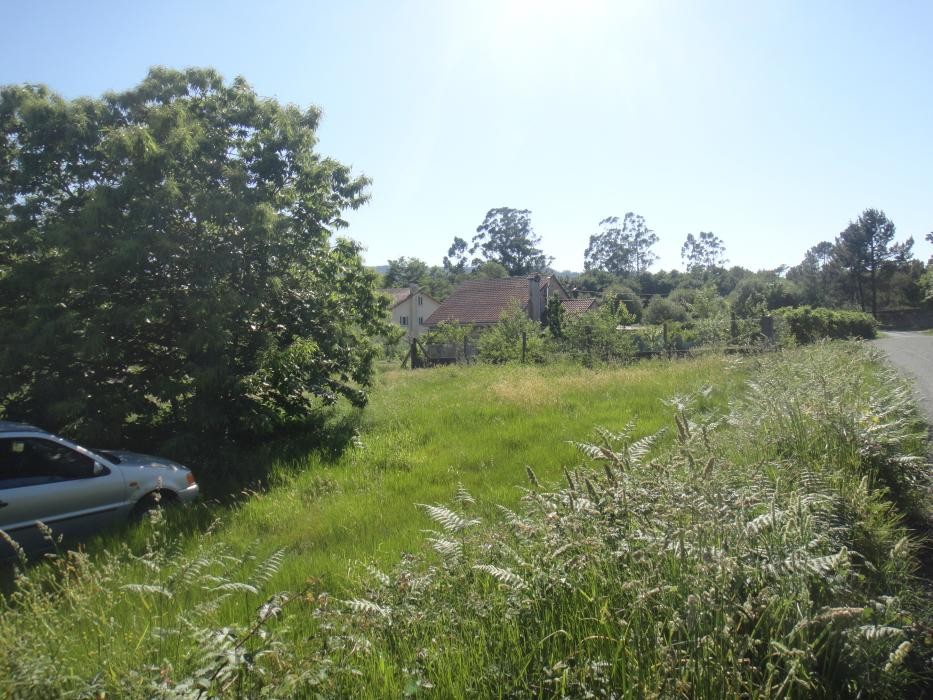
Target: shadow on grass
(228, 468)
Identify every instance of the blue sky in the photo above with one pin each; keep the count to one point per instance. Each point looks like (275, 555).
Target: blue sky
(771, 124)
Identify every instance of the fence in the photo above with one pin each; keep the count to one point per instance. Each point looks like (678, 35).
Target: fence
(731, 335)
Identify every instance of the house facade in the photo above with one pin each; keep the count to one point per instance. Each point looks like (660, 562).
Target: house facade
(410, 308)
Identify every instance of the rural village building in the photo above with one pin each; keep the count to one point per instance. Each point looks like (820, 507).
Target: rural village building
(410, 308)
(482, 302)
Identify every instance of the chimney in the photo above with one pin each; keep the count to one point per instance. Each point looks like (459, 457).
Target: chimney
(535, 307)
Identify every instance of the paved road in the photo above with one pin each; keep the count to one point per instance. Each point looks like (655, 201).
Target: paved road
(912, 354)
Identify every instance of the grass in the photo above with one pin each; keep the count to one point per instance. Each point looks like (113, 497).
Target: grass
(426, 432)
(760, 554)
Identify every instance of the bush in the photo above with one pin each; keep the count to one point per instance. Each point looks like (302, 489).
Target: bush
(807, 324)
(661, 310)
(593, 337)
(503, 342)
(754, 296)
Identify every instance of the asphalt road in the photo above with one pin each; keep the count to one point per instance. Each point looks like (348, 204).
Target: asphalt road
(912, 354)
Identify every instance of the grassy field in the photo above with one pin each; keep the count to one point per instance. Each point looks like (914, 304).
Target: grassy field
(578, 588)
(425, 433)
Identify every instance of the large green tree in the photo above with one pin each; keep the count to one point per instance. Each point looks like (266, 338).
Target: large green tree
(816, 275)
(506, 237)
(622, 249)
(166, 257)
(863, 250)
(703, 253)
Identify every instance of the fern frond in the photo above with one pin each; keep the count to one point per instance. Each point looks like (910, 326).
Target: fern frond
(502, 575)
(449, 549)
(360, 605)
(448, 519)
(144, 588)
(463, 497)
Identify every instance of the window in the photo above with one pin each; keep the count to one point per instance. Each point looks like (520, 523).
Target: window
(419, 301)
(421, 320)
(403, 320)
(28, 461)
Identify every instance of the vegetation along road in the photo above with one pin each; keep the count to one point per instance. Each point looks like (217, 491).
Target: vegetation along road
(912, 353)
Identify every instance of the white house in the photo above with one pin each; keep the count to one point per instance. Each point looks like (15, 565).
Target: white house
(410, 308)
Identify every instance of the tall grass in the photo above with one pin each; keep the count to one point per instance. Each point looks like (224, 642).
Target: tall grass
(696, 548)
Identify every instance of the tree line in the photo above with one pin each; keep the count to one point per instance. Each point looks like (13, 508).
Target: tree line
(169, 264)
(863, 268)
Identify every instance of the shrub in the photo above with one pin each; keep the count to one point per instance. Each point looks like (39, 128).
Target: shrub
(754, 296)
(593, 337)
(661, 310)
(807, 324)
(503, 342)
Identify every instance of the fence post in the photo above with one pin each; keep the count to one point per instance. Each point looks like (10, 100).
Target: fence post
(524, 345)
(667, 345)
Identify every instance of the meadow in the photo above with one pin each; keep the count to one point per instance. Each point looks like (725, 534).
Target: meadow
(706, 528)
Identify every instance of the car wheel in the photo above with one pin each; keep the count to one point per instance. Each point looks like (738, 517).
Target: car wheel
(151, 502)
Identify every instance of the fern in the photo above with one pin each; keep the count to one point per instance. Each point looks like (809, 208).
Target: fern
(448, 519)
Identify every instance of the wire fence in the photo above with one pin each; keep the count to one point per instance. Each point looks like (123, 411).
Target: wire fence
(671, 339)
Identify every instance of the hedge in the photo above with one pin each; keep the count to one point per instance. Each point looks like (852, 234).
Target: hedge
(807, 324)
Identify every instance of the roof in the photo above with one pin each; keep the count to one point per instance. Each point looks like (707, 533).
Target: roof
(483, 301)
(398, 294)
(577, 306)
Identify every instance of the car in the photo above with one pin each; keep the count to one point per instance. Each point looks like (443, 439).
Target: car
(74, 491)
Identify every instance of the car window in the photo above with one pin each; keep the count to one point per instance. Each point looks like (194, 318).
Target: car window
(30, 461)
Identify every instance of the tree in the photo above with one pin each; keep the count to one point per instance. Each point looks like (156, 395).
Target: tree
(862, 250)
(815, 275)
(621, 250)
(703, 253)
(455, 262)
(489, 270)
(168, 261)
(506, 237)
(405, 271)
(555, 316)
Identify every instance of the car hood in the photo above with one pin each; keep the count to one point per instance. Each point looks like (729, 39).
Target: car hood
(135, 460)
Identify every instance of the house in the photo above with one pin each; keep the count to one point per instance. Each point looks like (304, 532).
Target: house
(410, 308)
(482, 302)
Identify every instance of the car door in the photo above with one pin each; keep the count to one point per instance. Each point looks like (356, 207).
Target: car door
(42, 479)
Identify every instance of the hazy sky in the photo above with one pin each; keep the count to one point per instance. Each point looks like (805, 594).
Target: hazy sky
(771, 124)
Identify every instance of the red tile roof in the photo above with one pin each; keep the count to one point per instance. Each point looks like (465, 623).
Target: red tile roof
(577, 306)
(483, 301)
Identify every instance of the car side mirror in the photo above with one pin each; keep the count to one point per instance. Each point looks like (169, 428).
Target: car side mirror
(98, 469)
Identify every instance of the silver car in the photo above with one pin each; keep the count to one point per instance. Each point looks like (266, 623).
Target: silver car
(74, 491)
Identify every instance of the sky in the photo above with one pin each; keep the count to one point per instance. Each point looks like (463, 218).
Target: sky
(770, 124)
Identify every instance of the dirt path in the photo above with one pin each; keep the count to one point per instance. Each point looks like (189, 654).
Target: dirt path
(912, 354)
